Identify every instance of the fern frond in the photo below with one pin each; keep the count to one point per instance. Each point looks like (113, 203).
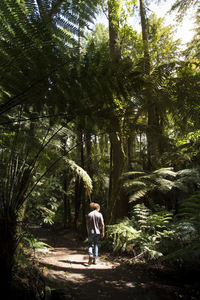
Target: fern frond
(189, 208)
(163, 181)
(138, 195)
(165, 172)
(132, 175)
(188, 172)
(81, 173)
(140, 211)
(133, 185)
(180, 185)
(164, 185)
(37, 40)
(123, 235)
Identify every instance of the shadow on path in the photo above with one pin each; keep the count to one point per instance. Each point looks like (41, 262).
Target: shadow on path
(66, 271)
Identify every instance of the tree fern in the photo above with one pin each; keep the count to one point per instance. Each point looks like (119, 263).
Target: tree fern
(161, 181)
(36, 41)
(142, 233)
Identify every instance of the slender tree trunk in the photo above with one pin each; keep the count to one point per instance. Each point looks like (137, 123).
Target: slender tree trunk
(80, 197)
(145, 38)
(115, 207)
(110, 180)
(88, 146)
(153, 118)
(66, 208)
(116, 203)
(77, 201)
(114, 38)
(83, 196)
(131, 151)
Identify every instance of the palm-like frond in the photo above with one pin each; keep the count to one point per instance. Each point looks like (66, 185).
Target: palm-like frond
(138, 195)
(162, 181)
(166, 172)
(132, 175)
(77, 170)
(35, 47)
(163, 185)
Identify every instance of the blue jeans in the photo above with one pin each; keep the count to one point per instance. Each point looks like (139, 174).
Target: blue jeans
(93, 238)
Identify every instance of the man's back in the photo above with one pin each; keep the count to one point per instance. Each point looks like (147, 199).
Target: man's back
(95, 221)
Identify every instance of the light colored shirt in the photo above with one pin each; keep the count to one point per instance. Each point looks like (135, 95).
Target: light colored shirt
(95, 222)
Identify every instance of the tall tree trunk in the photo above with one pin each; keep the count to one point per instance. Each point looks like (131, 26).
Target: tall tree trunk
(114, 38)
(77, 201)
(80, 197)
(153, 118)
(88, 161)
(83, 196)
(108, 206)
(115, 207)
(118, 205)
(145, 38)
(131, 151)
(66, 213)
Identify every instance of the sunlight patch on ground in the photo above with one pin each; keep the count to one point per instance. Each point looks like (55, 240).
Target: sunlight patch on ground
(72, 266)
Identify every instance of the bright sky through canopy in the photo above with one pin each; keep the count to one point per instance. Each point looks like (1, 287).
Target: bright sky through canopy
(184, 29)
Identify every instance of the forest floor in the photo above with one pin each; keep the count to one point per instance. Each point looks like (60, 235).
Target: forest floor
(68, 276)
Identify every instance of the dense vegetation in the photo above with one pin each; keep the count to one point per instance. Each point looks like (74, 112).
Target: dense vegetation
(105, 114)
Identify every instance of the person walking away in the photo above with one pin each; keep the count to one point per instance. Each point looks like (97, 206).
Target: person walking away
(95, 230)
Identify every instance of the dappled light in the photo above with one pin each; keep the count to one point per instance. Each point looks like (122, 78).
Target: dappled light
(68, 274)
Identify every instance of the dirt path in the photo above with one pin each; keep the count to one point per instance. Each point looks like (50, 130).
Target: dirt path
(69, 276)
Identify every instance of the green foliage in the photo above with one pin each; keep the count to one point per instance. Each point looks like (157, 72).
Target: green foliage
(81, 173)
(39, 49)
(47, 215)
(189, 210)
(182, 6)
(143, 233)
(46, 72)
(35, 244)
(123, 236)
(160, 235)
(28, 241)
(163, 181)
(183, 247)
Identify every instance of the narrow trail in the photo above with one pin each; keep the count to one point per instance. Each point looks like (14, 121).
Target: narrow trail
(66, 271)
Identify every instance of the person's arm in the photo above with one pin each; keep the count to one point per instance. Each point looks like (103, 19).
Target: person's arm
(102, 229)
(87, 226)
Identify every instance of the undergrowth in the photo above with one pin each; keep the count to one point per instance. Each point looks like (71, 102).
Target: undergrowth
(161, 235)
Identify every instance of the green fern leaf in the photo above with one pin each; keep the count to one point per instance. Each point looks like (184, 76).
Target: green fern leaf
(138, 195)
(81, 173)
